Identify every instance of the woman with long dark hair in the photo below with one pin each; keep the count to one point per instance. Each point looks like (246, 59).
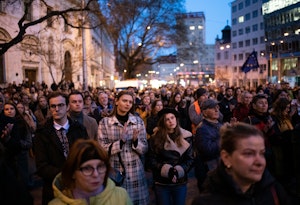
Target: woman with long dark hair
(171, 158)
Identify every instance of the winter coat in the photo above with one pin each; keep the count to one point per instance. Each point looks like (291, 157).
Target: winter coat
(109, 133)
(220, 188)
(181, 158)
(111, 195)
(49, 152)
(207, 140)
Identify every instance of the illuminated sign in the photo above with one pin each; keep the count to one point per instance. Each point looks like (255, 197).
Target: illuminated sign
(274, 5)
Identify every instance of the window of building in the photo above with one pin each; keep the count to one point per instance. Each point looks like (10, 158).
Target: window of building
(262, 39)
(234, 69)
(233, 45)
(241, 6)
(247, 17)
(49, 20)
(234, 21)
(218, 56)
(241, 56)
(254, 27)
(241, 19)
(241, 44)
(28, 16)
(2, 6)
(234, 57)
(192, 28)
(234, 9)
(247, 29)
(254, 41)
(247, 42)
(254, 14)
(262, 26)
(254, 1)
(247, 3)
(226, 55)
(2, 78)
(241, 31)
(233, 33)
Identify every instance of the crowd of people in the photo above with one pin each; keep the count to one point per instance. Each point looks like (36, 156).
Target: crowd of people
(243, 144)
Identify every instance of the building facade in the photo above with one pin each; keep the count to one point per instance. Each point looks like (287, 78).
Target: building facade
(282, 30)
(51, 51)
(247, 35)
(223, 58)
(195, 59)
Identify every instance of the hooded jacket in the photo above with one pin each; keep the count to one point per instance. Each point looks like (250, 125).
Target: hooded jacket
(111, 195)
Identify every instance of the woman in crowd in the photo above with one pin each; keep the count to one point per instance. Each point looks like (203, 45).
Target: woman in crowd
(89, 105)
(241, 177)
(84, 178)
(152, 120)
(170, 157)
(179, 105)
(282, 141)
(261, 119)
(16, 141)
(123, 134)
(144, 109)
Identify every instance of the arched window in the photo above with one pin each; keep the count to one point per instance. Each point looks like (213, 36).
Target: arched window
(68, 66)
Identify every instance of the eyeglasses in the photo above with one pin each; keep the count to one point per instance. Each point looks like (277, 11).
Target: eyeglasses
(60, 105)
(89, 170)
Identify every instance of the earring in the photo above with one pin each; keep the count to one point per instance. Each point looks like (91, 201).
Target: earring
(228, 166)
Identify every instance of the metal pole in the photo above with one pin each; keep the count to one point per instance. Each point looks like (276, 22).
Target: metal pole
(271, 72)
(84, 65)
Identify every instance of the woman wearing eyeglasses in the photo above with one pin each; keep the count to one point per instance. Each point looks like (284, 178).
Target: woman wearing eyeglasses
(84, 178)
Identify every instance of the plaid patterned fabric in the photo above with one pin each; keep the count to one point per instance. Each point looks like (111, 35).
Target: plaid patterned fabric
(109, 132)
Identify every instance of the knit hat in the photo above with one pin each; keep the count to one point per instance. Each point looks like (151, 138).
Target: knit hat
(200, 92)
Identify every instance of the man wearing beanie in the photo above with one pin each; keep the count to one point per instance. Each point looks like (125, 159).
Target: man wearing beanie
(195, 110)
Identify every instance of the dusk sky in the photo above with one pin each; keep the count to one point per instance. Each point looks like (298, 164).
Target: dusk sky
(216, 12)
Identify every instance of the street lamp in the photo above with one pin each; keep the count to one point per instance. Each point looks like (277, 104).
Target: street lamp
(84, 65)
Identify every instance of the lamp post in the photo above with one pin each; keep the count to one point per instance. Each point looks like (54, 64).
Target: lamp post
(84, 63)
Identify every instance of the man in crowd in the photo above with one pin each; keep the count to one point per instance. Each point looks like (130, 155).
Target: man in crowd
(53, 141)
(76, 114)
(104, 108)
(227, 104)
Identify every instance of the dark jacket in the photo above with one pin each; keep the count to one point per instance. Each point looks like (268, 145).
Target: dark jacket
(172, 156)
(221, 189)
(225, 108)
(49, 152)
(207, 140)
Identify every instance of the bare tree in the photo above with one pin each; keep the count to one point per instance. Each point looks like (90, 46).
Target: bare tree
(90, 9)
(140, 28)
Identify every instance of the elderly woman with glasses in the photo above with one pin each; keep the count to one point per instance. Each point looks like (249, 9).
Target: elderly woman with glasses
(84, 178)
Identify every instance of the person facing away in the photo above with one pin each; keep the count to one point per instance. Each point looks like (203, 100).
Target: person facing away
(241, 176)
(76, 114)
(170, 158)
(124, 133)
(53, 141)
(85, 178)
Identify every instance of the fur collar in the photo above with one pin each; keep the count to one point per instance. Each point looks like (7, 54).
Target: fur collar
(171, 145)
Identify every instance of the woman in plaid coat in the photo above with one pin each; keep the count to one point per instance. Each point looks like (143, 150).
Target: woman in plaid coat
(123, 132)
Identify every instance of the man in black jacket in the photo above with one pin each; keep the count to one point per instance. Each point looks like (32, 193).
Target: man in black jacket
(53, 141)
